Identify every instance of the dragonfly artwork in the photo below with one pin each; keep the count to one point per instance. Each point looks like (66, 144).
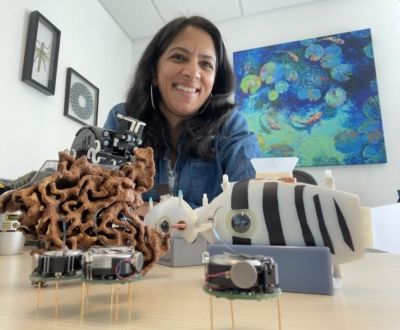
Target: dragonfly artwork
(42, 55)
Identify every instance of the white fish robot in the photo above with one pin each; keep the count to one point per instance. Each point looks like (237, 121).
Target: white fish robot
(272, 212)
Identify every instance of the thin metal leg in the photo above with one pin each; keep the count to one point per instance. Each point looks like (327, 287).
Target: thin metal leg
(83, 298)
(116, 303)
(112, 298)
(38, 295)
(130, 297)
(211, 314)
(56, 301)
(279, 312)
(232, 318)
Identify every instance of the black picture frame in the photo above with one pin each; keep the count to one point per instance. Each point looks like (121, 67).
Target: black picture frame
(81, 99)
(41, 54)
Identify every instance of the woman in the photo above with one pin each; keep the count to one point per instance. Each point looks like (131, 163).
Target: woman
(181, 90)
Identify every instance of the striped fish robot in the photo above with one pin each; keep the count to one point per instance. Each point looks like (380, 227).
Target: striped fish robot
(265, 212)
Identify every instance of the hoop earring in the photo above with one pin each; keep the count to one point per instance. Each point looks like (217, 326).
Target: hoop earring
(206, 104)
(152, 97)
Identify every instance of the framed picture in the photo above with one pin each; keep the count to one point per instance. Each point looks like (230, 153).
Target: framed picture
(81, 99)
(316, 99)
(41, 54)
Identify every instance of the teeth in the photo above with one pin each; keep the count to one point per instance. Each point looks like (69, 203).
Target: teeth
(186, 89)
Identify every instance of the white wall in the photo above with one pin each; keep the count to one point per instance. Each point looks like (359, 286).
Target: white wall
(32, 125)
(375, 184)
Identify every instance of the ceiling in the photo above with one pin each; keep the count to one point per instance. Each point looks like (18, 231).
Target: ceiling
(143, 18)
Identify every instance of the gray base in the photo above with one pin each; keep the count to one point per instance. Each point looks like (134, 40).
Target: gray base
(301, 269)
(182, 253)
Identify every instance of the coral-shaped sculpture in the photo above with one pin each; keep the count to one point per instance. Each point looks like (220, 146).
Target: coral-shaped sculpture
(90, 205)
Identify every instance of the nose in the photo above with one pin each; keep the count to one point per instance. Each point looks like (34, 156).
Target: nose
(191, 70)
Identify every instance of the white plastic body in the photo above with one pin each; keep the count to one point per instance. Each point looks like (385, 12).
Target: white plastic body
(219, 213)
(174, 210)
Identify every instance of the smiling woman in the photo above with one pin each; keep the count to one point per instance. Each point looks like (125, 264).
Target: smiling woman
(181, 90)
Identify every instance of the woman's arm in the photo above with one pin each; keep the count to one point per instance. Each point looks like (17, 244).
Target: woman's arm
(112, 120)
(237, 146)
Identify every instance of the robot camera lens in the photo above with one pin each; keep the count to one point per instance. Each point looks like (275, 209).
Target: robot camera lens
(241, 222)
(164, 226)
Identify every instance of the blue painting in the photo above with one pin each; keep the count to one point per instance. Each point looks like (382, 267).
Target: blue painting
(316, 99)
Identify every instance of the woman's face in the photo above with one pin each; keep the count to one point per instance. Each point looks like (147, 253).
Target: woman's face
(185, 74)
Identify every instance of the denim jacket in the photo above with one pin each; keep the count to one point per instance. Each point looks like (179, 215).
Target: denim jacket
(234, 147)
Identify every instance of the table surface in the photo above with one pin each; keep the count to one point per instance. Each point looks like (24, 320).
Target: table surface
(172, 298)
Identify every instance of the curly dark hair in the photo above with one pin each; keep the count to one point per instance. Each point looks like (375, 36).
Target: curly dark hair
(198, 131)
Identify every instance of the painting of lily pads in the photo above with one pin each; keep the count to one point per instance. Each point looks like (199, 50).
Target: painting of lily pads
(316, 99)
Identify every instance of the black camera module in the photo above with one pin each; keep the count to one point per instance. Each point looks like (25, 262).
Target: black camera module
(237, 273)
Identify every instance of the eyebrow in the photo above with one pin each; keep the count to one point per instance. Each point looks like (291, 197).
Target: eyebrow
(185, 50)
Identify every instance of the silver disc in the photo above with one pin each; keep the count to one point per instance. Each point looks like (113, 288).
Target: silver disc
(244, 275)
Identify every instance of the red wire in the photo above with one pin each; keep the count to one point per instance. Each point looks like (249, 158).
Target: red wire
(216, 275)
(118, 267)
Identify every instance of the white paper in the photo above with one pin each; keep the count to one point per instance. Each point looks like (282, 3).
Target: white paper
(386, 228)
(275, 165)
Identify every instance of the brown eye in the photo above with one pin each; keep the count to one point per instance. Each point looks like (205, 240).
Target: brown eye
(207, 65)
(178, 57)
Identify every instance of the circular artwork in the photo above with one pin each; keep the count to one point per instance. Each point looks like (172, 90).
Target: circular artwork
(81, 101)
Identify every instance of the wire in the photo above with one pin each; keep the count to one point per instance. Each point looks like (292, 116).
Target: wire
(221, 274)
(64, 244)
(118, 270)
(218, 237)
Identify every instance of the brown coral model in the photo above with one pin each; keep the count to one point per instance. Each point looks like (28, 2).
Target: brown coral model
(94, 204)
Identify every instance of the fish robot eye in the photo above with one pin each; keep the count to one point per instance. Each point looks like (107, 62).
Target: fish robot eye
(241, 222)
(164, 226)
